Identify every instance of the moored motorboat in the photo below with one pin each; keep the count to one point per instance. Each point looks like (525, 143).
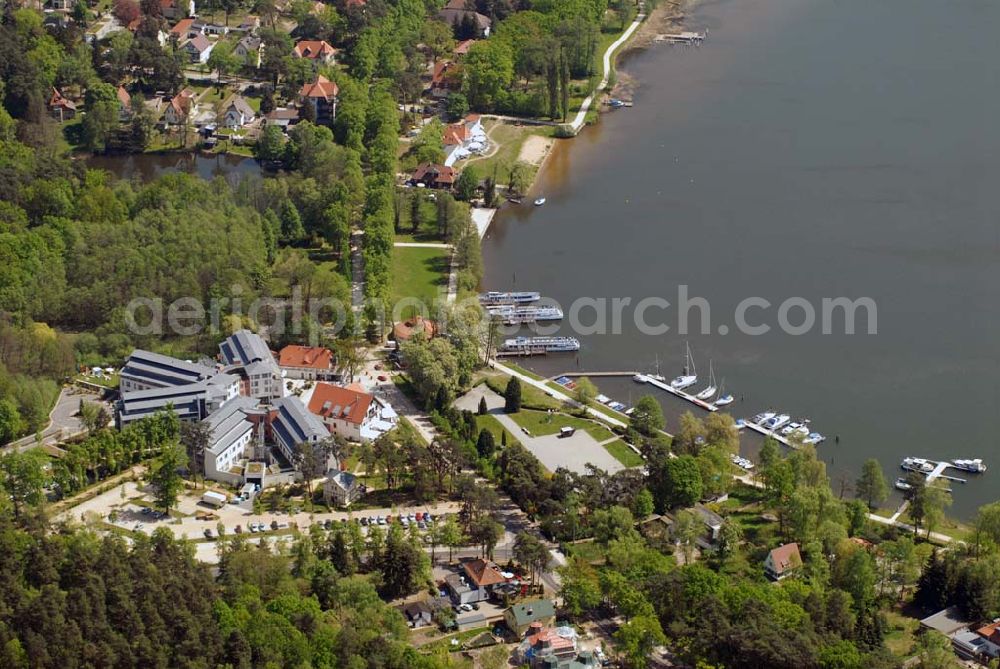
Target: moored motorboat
(903, 484)
(917, 465)
(640, 378)
(976, 466)
(761, 418)
(814, 438)
(539, 202)
(776, 422)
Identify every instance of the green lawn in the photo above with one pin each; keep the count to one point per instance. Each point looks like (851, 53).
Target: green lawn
(541, 423)
(589, 551)
(901, 637)
(531, 397)
(490, 423)
(623, 454)
(420, 273)
(510, 139)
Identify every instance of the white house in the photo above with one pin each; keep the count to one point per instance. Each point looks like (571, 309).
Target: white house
(250, 49)
(352, 414)
(198, 48)
(179, 107)
(191, 401)
(782, 561)
(463, 139)
(341, 488)
(312, 363)
(237, 112)
(232, 430)
(247, 354)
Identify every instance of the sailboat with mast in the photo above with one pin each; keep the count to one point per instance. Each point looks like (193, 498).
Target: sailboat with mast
(724, 398)
(708, 392)
(690, 375)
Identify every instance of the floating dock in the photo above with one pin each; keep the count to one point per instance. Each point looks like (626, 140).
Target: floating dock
(685, 37)
(707, 406)
(768, 433)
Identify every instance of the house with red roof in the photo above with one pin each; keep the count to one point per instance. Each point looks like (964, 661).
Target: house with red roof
(782, 561)
(463, 139)
(431, 175)
(61, 108)
(198, 48)
(351, 414)
(317, 50)
(463, 47)
(321, 93)
(446, 77)
(179, 107)
(313, 363)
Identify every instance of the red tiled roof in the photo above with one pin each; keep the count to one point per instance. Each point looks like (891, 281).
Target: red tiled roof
(123, 97)
(463, 47)
(440, 174)
(455, 134)
(442, 70)
(330, 401)
(404, 330)
(313, 49)
(57, 100)
(483, 572)
(786, 557)
(181, 27)
(321, 88)
(990, 632)
(312, 357)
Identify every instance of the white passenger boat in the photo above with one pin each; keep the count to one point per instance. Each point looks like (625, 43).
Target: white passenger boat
(547, 344)
(976, 466)
(539, 202)
(690, 375)
(917, 465)
(496, 297)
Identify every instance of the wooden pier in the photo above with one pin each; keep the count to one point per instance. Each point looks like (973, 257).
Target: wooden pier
(522, 352)
(592, 375)
(686, 37)
(768, 433)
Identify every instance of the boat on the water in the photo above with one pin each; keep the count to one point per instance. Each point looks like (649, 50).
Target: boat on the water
(917, 465)
(814, 438)
(710, 391)
(547, 344)
(760, 418)
(496, 297)
(539, 202)
(976, 466)
(690, 375)
(723, 398)
(775, 422)
(513, 315)
(903, 484)
(792, 427)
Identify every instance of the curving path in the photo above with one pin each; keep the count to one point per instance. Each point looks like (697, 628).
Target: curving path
(581, 116)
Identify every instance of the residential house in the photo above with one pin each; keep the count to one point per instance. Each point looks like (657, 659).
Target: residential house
(782, 561)
(282, 117)
(981, 645)
(552, 648)
(322, 95)
(948, 622)
(124, 104)
(209, 28)
(198, 48)
(341, 488)
(191, 402)
(524, 614)
(476, 581)
(461, 13)
(464, 138)
(179, 107)
(145, 370)
(462, 48)
(352, 414)
(406, 330)
(313, 363)
(445, 78)
(99, 31)
(418, 614)
(237, 112)
(176, 9)
(317, 50)
(232, 430)
(293, 425)
(184, 30)
(434, 175)
(61, 108)
(713, 525)
(250, 49)
(247, 354)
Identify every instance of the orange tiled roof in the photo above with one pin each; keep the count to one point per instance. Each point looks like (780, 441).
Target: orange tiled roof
(483, 572)
(313, 357)
(330, 401)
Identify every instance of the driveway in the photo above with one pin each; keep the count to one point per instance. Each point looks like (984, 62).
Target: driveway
(64, 422)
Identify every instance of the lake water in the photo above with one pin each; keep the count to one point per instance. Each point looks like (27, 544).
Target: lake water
(809, 148)
(147, 166)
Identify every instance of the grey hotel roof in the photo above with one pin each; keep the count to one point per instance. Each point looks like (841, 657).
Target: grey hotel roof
(162, 370)
(294, 424)
(229, 422)
(244, 347)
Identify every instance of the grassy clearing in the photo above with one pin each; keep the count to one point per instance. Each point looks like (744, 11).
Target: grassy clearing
(590, 551)
(490, 423)
(444, 644)
(420, 273)
(541, 423)
(621, 452)
(510, 138)
(901, 638)
(531, 397)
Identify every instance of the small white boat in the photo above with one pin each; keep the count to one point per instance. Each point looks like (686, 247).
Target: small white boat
(903, 484)
(640, 378)
(710, 391)
(791, 427)
(539, 202)
(690, 375)
(724, 398)
(814, 438)
(777, 421)
(975, 466)
(761, 418)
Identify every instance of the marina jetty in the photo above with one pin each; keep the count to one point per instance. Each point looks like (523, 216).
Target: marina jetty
(686, 37)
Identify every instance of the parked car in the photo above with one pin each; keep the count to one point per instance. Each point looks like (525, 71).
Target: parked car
(364, 521)
(252, 527)
(208, 532)
(274, 525)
